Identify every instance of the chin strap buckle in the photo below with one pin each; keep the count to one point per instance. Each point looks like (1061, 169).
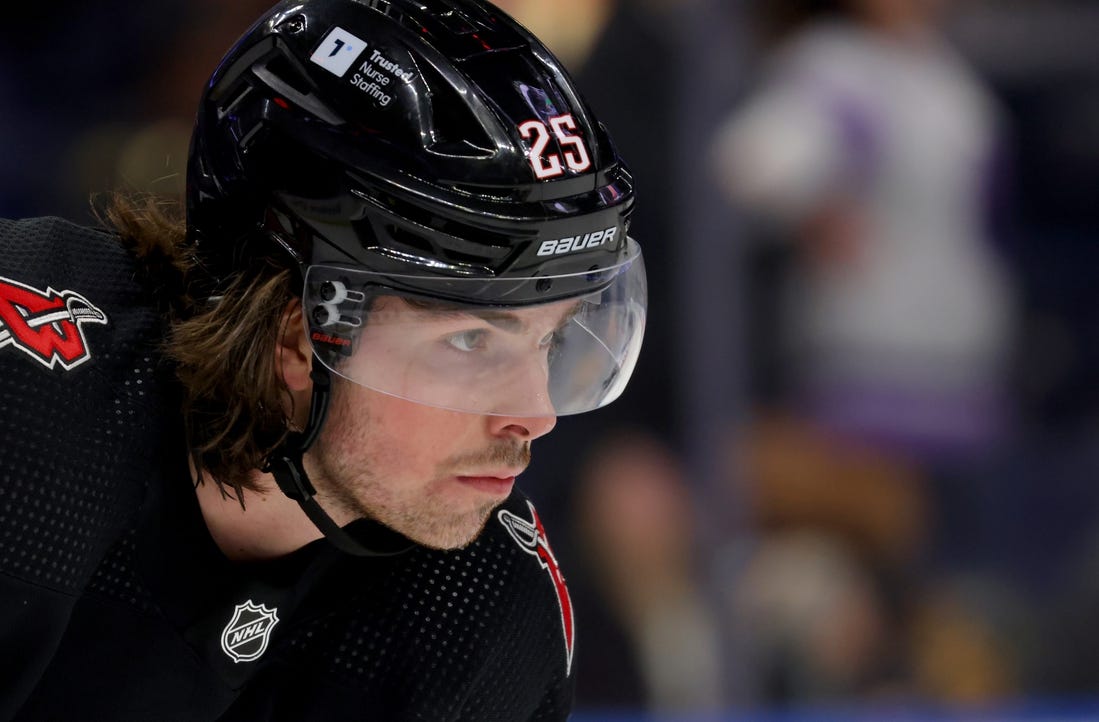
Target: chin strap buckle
(290, 476)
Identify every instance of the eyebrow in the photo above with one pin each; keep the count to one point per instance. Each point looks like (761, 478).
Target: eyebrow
(500, 319)
(508, 321)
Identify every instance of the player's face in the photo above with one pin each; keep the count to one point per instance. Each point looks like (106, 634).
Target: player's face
(432, 474)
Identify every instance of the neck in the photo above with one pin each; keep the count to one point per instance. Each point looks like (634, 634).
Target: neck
(269, 525)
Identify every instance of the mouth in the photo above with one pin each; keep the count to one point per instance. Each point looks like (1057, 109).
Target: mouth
(497, 483)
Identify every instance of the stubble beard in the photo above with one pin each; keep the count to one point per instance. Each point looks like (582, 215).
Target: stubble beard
(425, 520)
(351, 489)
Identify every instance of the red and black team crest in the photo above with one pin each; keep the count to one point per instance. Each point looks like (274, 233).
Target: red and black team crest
(46, 325)
(531, 537)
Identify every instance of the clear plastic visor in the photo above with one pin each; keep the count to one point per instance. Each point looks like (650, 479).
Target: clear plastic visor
(552, 359)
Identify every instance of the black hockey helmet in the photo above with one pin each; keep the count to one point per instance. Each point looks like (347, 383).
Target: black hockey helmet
(424, 162)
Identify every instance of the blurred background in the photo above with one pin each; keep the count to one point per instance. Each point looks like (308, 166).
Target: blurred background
(855, 475)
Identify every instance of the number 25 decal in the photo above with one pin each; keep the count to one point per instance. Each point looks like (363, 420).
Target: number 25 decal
(572, 147)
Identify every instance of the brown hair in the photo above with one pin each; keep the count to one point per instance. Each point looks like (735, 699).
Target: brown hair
(235, 403)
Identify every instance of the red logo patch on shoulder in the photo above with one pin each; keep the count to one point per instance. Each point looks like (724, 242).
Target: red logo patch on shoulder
(531, 537)
(46, 325)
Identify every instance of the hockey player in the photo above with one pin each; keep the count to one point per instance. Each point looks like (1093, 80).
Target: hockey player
(259, 465)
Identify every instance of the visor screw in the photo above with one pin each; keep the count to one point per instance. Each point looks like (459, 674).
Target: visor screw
(322, 315)
(543, 285)
(327, 291)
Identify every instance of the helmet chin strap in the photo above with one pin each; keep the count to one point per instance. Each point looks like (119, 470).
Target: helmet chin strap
(285, 464)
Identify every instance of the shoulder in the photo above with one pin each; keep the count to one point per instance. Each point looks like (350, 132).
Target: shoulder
(57, 238)
(51, 250)
(65, 289)
(517, 537)
(79, 379)
(834, 44)
(521, 605)
(481, 632)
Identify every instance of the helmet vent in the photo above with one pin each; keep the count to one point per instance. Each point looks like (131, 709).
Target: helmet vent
(281, 76)
(449, 247)
(455, 129)
(411, 228)
(281, 68)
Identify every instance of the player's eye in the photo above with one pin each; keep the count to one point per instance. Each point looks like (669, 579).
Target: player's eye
(467, 341)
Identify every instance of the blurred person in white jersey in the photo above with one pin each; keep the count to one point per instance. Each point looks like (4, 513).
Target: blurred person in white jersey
(873, 147)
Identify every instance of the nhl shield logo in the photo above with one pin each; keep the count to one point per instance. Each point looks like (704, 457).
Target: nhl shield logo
(245, 636)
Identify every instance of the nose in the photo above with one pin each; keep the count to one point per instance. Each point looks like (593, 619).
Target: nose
(525, 428)
(524, 409)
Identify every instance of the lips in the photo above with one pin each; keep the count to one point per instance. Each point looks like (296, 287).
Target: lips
(497, 485)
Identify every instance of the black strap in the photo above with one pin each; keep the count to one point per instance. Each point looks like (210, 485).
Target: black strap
(285, 464)
(293, 481)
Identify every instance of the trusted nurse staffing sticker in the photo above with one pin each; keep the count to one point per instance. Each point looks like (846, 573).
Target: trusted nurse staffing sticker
(376, 76)
(337, 51)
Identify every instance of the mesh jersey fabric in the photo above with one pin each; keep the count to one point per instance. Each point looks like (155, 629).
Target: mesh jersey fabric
(116, 604)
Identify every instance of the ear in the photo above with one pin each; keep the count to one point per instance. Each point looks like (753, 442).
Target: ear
(293, 354)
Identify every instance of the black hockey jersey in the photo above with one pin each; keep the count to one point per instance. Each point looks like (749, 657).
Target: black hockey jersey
(115, 603)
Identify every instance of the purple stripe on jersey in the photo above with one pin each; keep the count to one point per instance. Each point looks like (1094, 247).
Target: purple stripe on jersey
(860, 134)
